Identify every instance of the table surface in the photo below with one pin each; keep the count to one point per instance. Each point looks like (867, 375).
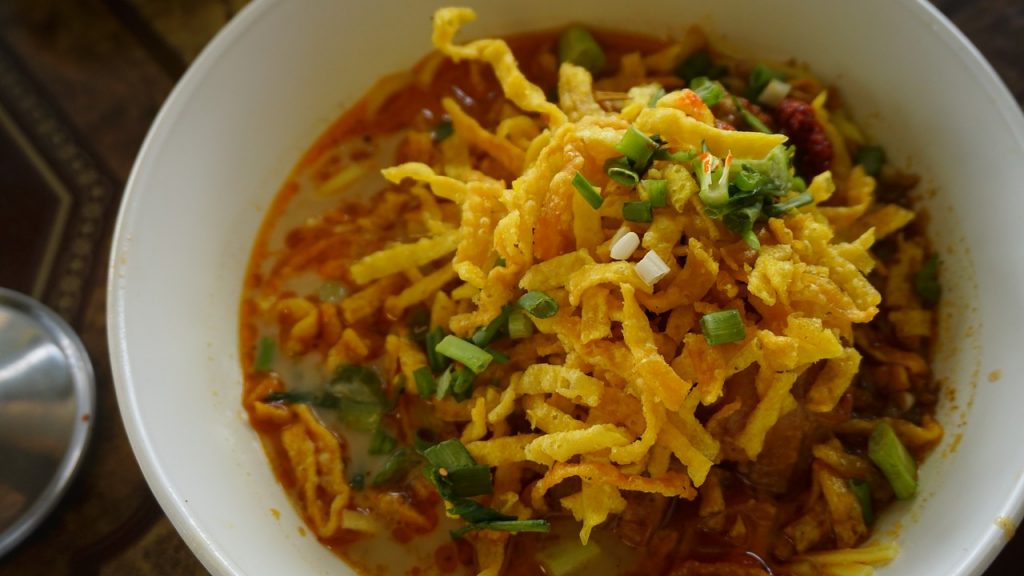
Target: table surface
(80, 82)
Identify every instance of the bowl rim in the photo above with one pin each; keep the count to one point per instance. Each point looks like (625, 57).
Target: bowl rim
(218, 560)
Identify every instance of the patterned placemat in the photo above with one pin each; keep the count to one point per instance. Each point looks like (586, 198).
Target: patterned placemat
(80, 82)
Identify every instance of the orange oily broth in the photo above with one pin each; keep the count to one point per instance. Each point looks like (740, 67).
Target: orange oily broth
(288, 259)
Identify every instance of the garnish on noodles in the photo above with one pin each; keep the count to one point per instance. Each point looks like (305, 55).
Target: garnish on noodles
(615, 304)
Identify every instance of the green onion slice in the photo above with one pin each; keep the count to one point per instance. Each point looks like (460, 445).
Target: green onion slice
(723, 327)
(892, 458)
(619, 170)
(396, 467)
(450, 454)
(710, 92)
(462, 383)
(519, 325)
(444, 382)
(578, 45)
(538, 304)
(487, 334)
(657, 192)
(474, 357)
(265, 351)
(437, 361)
(862, 492)
(504, 526)
(751, 120)
(638, 147)
(591, 194)
(637, 212)
(425, 383)
(801, 199)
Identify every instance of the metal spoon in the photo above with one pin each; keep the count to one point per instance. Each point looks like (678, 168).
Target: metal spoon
(47, 399)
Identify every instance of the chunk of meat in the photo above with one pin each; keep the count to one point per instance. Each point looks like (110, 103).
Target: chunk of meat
(814, 152)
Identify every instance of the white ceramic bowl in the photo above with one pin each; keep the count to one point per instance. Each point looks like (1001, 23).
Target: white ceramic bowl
(282, 70)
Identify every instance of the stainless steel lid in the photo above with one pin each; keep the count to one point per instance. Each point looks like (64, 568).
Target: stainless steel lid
(47, 399)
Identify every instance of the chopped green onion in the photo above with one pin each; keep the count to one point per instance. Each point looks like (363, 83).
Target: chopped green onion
(619, 170)
(470, 481)
(696, 64)
(872, 158)
(862, 492)
(425, 383)
(926, 282)
(723, 327)
(519, 325)
(475, 513)
(760, 76)
(358, 481)
(741, 222)
(450, 454)
(462, 383)
(801, 199)
(892, 458)
(577, 45)
(713, 193)
(355, 383)
(752, 120)
(360, 416)
(442, 131)
(381, 442)
(265, 351)
(499, 262)
(680, 156)
(361, 397)
(538, 304)
(396, 467)
(657, 192)
(444, 382)
(638, 147)
(419, 324)
(708, 90)
(748, 179)
(437, 362)
(504, 526)
(474, 357)
(487, 334)
(637, 212)
(567, 557)
(331, 292)
(591, 194)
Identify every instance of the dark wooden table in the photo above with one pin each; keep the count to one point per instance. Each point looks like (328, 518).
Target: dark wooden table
(80, 82)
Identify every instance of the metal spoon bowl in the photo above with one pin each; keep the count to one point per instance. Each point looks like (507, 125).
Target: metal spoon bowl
(47, 399)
